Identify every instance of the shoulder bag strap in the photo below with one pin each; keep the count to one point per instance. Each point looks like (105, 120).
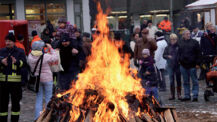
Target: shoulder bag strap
(38, 80)
(42, 57)
(36, 65)
(212, 41)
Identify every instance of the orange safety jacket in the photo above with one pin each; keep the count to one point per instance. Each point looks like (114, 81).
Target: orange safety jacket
(35, 38)
(165, 25)
(18, 44)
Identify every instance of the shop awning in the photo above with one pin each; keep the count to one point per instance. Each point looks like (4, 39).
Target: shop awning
(202, 4)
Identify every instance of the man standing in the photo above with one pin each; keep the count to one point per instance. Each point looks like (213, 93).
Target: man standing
(144, 24)
(208, 49)
(152, 29)
(144, 43)
(19, 42)
(196, 34)
(189, 58)
(12, 60)
(165, 25)
(71, 54)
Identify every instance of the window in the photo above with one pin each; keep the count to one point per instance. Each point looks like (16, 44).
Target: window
(41, 10)
(78, 13)
(6, 11)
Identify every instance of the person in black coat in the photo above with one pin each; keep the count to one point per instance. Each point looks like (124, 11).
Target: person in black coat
(208, 45)
(173, 67)
(125, 49)
(189, 55)
(12, 60)
(71, 54)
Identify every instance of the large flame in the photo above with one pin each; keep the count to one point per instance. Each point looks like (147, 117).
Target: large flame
(107, 73)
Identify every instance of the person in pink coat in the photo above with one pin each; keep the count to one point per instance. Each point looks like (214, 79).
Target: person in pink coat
(46, 78)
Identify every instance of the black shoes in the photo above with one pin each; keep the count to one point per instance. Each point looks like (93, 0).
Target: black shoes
(185, 99)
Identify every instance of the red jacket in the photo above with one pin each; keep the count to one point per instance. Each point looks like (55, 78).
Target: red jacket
(20, 45)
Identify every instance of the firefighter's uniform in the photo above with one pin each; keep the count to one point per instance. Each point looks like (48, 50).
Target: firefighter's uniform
(10, 83)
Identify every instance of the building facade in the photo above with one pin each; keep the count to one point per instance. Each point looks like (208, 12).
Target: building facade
(139, 10)
(38, 11)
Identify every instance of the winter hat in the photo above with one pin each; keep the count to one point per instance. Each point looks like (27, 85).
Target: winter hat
(146, 52)
(20, 37)
(85, 34)
(65, 38)
(11, 37)
(38, 45)
(159, 34)
(34, 33)
(149, 21)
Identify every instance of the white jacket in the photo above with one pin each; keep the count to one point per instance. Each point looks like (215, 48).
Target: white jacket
(160, 61)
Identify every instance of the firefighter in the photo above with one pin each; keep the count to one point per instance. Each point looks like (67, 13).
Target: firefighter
(12, 59)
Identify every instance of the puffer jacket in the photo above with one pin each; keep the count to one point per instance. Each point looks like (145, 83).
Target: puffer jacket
(46, 74)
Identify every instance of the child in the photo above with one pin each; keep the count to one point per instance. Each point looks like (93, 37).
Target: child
(148, 74)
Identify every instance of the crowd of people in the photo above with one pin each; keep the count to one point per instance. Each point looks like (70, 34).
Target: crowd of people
(150, 52)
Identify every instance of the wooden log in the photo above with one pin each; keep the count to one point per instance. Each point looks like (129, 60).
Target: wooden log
(89, 117)
(146, 117)
(168, 116)
(175, 116)
(138, 119)
(161, 118)
(45, 118)
(132, 120)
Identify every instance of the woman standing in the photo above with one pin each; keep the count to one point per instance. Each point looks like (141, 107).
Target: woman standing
(46, 79)
(170, 54)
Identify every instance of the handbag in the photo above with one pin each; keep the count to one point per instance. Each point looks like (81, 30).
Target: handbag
(56, 65)
(33, 82)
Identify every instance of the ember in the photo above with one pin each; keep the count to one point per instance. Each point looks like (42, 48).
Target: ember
(106, 91)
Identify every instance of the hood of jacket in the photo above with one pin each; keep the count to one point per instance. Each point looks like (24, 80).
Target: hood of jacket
(36, 53)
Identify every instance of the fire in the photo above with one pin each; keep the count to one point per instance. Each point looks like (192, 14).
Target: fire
(108, 74)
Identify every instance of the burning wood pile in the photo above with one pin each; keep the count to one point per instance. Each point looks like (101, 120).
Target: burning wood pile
(107, 90)
(59, 110)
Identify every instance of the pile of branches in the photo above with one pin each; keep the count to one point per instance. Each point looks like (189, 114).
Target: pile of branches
(58, 109)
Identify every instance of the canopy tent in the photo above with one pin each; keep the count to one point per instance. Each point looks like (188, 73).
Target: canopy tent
(202, 4)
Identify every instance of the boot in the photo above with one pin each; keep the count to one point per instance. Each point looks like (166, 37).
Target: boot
(179, 92)
(172, 91)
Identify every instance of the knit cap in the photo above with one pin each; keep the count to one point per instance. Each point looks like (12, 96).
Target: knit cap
(38, 45)
(146, 52)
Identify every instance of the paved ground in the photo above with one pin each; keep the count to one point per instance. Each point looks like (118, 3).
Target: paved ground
(187, 111)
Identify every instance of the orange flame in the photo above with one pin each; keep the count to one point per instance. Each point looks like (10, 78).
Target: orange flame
(109, 75)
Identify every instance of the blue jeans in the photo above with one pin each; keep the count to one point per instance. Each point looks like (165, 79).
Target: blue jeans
(187, 74)
(174, 73)
(152, 91)
(44, 88)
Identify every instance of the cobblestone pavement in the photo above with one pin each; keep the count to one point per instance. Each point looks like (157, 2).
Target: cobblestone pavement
(200, 111)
